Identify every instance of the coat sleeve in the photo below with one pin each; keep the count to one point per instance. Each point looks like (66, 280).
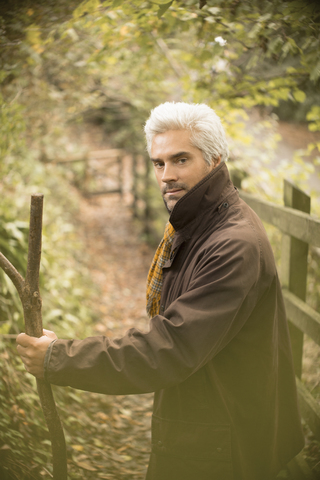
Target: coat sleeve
(196, 326)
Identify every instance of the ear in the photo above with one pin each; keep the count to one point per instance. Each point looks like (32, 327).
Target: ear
(216, 161)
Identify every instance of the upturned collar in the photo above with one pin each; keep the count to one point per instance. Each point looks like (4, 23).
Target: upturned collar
(208, 193)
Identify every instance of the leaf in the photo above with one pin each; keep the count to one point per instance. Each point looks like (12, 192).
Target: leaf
(214, 10)
(164, 8)
(314, 113)
(275, 44)
(315, 74)
(299, 96)
(78, 448)
(5, 447)
(86, 466)
(313, 127)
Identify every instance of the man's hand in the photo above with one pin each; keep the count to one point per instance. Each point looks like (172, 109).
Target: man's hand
(32, 351)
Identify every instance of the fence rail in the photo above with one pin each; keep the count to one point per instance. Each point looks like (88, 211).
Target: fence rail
(293, 222)
(302, 316)
(102, 171)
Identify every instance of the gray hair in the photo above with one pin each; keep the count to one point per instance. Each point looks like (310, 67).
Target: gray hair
(207, 133)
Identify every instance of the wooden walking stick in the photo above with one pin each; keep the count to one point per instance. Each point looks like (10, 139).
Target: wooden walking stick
(29, 294)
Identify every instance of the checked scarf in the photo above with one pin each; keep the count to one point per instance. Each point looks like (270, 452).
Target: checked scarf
(154, 282)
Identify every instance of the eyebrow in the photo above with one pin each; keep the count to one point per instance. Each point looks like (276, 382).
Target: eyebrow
(171, 157)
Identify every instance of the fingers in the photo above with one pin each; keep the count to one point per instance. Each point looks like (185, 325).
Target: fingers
(26, 340)
(32, 351)
(32, 366)
(23, 339)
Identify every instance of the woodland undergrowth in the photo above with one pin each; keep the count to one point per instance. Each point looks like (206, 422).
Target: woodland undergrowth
(87, 247)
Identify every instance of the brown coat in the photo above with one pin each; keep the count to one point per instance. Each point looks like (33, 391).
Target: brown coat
(217, 356)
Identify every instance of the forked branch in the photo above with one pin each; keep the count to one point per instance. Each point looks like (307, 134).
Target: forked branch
(29, 294)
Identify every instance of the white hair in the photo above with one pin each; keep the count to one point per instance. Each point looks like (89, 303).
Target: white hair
(207, 133)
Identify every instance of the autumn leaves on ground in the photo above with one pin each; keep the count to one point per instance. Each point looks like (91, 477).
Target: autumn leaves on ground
(111, 434)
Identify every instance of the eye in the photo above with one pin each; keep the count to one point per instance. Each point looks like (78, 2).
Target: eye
(157, 164)
(181, 161)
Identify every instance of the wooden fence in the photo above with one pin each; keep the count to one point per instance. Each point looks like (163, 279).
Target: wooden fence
(299, 230)
(142, 194)
(101, 172)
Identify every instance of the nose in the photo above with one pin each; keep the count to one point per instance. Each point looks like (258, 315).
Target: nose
(169, 173)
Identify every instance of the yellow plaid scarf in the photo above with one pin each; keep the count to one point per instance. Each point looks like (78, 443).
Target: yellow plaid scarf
(154, 282)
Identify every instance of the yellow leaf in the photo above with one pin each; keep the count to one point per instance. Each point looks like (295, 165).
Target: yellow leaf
(38, 48)
(124, 30)
(299, 95)
(33, 34)
(79, 448)
(86, 466)
(311, 147)
(111, 60)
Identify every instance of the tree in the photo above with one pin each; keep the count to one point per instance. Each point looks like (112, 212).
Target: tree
(233, 54)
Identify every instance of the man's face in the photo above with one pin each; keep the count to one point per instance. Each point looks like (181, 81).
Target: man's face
(178, 165)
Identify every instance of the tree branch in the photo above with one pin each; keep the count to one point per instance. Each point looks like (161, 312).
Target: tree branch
(13, 274)
(166, 52)
(31, 295)
(33, 320)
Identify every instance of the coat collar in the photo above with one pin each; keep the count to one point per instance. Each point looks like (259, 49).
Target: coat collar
(207, 194)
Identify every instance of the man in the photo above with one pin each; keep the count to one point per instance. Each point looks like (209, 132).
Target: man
(217, 354)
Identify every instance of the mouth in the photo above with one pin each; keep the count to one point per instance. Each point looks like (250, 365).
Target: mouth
(173, 192)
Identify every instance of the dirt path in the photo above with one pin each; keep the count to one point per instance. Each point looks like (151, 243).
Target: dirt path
(119, 262)
(116, 428)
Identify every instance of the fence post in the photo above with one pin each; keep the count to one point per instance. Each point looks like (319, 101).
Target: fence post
(120, 174)
(294, 263)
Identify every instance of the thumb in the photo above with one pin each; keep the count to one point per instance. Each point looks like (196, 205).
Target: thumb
(50, 334)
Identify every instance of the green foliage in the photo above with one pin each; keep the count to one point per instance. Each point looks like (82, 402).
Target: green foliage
(232, 55)
(314, 118)
(68, 305)
(63, 274)
(13, 244)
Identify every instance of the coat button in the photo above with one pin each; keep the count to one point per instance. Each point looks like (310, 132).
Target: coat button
(225, 204)
(219, 449)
